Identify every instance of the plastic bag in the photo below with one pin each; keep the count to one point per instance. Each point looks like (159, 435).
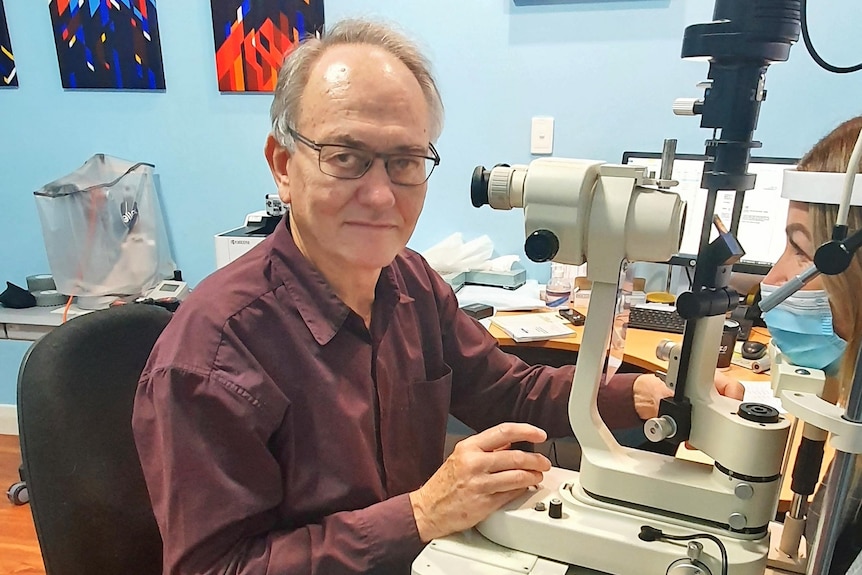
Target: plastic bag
(103, 229)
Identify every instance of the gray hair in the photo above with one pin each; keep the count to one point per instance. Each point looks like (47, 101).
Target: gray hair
(293, 76)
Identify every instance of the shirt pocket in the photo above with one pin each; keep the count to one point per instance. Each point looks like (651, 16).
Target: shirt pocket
(429, 402)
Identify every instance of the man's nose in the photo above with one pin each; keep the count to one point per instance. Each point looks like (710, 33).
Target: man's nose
(377, 187)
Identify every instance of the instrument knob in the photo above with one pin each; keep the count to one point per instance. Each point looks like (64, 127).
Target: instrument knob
(687, 106)
(555, 509)
(660, 428)
(542, 245)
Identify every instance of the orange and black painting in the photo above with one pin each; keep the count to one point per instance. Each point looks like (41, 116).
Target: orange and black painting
(253, 36)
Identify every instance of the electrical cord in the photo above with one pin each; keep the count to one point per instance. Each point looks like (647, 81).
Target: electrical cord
(66, 308)
(814, 55)
(688, 275)
(653, 534)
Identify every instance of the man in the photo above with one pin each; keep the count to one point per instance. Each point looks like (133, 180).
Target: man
(292, 417)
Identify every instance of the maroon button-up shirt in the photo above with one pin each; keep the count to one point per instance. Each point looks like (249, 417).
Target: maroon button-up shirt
(278, 435)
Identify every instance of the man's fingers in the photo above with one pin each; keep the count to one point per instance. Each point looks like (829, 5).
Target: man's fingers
(509, 480)
(506, 433)
(514, 459)
(504, 498)
(728, 386)
(734, 390)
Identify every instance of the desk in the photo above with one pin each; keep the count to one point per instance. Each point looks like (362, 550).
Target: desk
(32, 323)
(640, 352)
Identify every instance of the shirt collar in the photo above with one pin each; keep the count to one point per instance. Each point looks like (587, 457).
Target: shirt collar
(322, 311)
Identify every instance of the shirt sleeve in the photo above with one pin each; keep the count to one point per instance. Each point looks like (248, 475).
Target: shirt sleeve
(616, 402)
(216, 490)
(491, 386)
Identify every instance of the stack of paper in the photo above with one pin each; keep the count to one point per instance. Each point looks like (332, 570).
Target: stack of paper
(761, 392)
(533, 326)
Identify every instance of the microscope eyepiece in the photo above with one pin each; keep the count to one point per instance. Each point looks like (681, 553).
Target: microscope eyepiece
(479, 186)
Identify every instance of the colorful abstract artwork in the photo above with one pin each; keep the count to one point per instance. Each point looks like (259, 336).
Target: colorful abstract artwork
(108, 44)
(8, 75)
(253, 36)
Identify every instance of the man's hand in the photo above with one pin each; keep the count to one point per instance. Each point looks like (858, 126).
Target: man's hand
(480, 476)
(728, 387)
(649, 390)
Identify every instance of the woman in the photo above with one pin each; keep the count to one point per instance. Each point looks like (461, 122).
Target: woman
(814, 330)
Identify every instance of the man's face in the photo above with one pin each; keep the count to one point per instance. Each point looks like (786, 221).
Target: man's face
(358, 96)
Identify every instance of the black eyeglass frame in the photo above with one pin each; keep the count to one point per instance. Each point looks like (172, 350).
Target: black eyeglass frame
(317, 146)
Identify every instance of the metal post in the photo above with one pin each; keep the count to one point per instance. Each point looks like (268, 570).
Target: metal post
(833, 513)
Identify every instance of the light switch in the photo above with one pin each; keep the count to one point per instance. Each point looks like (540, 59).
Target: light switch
(542, 135)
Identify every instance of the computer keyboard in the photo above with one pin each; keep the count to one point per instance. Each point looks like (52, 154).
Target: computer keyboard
(656, 317)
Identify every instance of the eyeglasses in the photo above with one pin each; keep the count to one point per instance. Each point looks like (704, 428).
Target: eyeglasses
(349, 163)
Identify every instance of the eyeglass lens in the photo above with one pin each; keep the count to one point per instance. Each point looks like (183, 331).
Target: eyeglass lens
(352, 163)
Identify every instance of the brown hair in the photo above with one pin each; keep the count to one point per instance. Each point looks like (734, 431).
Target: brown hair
(832, 154)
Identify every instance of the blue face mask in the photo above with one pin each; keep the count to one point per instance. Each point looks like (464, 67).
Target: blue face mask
(801, 327)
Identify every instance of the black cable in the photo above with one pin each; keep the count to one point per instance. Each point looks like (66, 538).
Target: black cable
(814, 55)
(653, 534)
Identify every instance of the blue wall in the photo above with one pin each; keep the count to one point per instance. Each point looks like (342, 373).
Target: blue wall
(607, 71)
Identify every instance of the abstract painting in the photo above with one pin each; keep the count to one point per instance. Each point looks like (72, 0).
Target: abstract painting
(253, 36)
(8, 75)
(108, 44)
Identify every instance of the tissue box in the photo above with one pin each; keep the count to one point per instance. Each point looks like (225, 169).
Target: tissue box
(455, 279)
(509, 279)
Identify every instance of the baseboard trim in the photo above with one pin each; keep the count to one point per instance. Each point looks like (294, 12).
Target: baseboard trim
(8, 420)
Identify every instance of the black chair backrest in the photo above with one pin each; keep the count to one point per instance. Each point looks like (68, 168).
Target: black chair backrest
(76, 390)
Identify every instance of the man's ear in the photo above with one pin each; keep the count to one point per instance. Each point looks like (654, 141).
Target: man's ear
(278, 158)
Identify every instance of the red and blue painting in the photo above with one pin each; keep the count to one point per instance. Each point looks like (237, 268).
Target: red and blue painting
(108, 44)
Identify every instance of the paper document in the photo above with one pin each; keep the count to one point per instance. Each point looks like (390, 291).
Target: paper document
(761, 392)
(524, 298)
(533, 326)
(73, 311)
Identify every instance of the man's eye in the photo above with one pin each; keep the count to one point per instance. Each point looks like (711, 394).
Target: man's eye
(346, 159)
(404, 163)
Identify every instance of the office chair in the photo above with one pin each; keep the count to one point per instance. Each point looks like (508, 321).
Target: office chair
(76, 388)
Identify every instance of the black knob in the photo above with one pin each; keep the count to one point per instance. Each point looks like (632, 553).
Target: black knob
(542, 245)
(555, 509)
(758, 413)
(832, 258)
(706, 303)
(479, 186)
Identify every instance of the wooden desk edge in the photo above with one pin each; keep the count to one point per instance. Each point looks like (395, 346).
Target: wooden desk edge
(639, 350)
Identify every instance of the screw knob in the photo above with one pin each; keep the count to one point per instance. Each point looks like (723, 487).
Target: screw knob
(555, 509)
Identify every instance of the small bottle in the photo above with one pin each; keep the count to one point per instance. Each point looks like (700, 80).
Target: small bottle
(559, 288)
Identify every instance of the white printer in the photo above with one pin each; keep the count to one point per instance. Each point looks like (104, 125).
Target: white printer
(233, 243)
